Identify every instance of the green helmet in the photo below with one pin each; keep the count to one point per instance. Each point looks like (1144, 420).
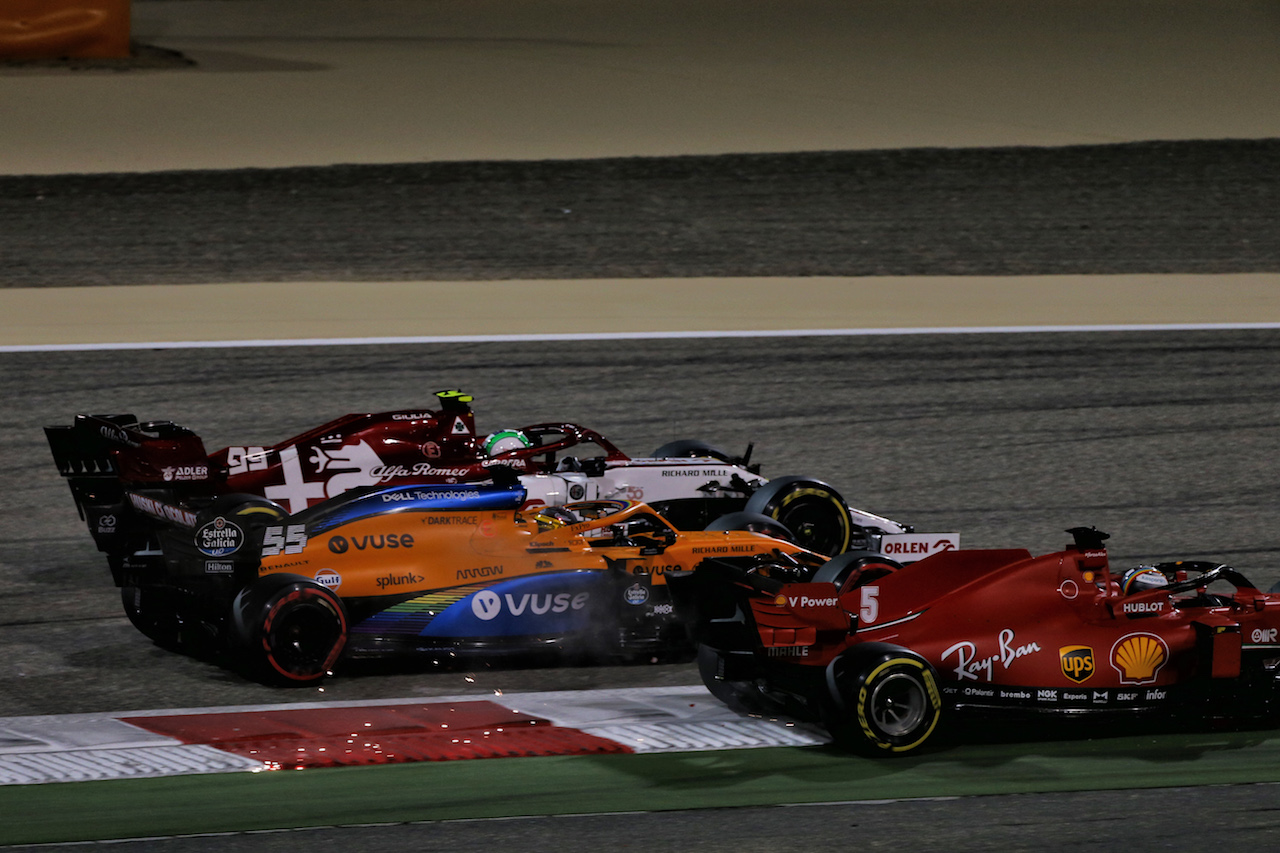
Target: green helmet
(505, 440)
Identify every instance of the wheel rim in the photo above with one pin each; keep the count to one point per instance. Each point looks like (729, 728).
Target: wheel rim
(898, 705)
(303, 637)
(816, 522)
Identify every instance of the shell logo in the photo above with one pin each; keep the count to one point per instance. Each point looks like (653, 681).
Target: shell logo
(1139, 657)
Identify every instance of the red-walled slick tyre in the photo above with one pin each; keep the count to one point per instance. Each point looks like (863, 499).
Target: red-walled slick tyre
(291, 629)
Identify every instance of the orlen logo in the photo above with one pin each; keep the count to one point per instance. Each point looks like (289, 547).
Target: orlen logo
(917, 547)
(487, 604)
(1077, 662)
(329, 579)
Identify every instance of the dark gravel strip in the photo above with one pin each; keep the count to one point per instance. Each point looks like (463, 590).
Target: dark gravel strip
(1150, 207)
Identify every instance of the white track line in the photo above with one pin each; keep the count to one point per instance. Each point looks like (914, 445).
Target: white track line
(636, 336)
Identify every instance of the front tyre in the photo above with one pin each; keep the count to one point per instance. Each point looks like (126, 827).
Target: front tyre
(291, 630)
(886, 701)
(754, 522)
(810, 509)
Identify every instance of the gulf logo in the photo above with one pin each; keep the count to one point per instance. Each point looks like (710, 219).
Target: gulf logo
(329, 579)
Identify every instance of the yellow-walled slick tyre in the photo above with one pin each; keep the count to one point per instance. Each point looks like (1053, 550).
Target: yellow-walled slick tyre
(814, 512)
(885, 700)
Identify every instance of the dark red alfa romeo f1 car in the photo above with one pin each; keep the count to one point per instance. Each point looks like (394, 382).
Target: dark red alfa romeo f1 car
(886, 656)
(131, 479)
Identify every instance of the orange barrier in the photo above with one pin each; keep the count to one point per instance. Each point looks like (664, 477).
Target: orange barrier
(54, 29)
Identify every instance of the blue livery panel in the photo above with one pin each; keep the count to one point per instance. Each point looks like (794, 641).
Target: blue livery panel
(538, 604)
(428, 498)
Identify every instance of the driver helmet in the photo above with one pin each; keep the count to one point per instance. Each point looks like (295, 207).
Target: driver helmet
(1142, 578)
(555, 516)
(505, 440)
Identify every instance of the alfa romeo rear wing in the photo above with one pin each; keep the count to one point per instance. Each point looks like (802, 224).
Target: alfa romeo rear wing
(85, 455)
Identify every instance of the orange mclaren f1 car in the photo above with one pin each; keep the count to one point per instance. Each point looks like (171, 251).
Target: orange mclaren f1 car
(435, 571)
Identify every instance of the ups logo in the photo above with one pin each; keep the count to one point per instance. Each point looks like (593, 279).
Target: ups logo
(1077, 662)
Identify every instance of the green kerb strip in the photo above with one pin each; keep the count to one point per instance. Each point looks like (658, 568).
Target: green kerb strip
(564, 785)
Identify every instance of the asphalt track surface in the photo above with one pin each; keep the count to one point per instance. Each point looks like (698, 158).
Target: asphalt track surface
(1167, 440)
(1144, 207)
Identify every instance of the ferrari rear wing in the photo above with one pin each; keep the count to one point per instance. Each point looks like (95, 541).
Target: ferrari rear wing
(714, 600)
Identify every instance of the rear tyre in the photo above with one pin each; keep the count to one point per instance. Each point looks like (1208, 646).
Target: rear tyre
(854, 568)
(245, 506)
(172, 620)
(688, 448)
(290, 630)
(810, 509)
(152, 612)
(884, 700)
(739, 696)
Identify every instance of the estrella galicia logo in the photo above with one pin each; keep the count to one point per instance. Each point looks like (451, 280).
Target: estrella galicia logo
(1077, 662)
(339, 544)
(219, 538)
(635, 594)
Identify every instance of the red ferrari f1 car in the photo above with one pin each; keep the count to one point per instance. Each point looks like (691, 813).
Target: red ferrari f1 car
(886, 656)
